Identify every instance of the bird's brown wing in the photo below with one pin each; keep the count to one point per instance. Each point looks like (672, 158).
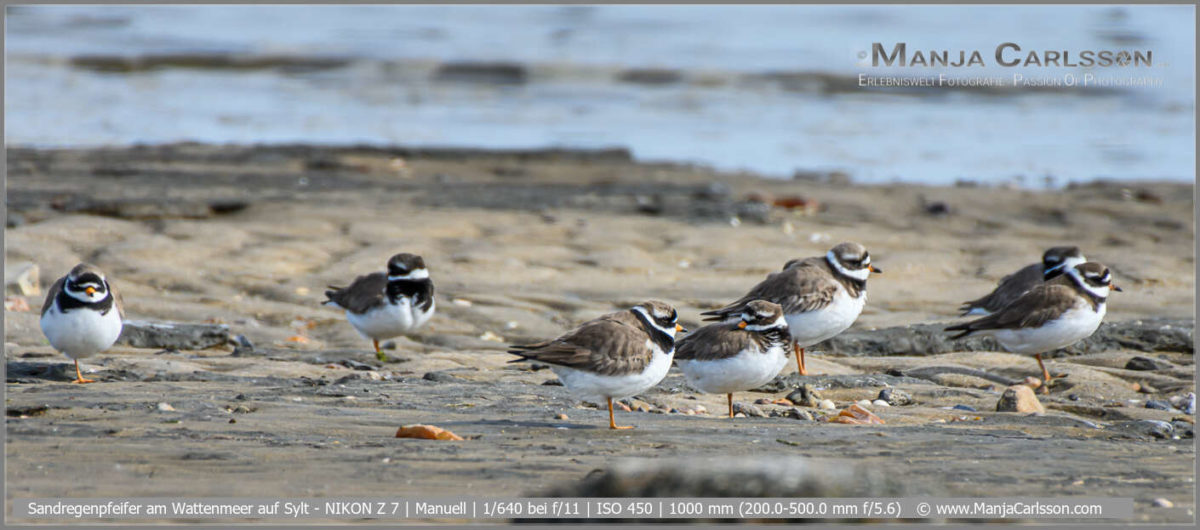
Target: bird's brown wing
(1031, 310)
(1008, 290)
(798, 289)
(53, 293)
(366, 292)
(604, 346)
(117, 299)
(713, 342)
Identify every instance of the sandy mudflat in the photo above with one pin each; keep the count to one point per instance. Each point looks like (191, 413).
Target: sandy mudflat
(521, 247)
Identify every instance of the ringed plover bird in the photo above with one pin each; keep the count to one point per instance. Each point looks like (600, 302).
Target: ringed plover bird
(614, 356)
(724, 358)
(1054, 262)
(1050, 316)
(82, 315)
(820, 296)
(385, 305)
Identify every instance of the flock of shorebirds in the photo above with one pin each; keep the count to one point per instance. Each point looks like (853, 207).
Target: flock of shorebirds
(1042, 307)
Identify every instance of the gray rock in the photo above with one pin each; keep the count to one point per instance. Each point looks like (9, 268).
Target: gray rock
(242, 346)
(793, 380)
(1019, 398)
(1184, 429)
(1146, 364)
(967, 408)
(748, 410)
(1159, 404)
(799, 414)
(173, 335)
(1154, 429)
(441, 377)
(1147, 335)
(895, 397)
(1185, 403)
(805, 396)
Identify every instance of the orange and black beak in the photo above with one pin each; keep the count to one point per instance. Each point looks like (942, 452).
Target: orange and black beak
(680, 329)
(1114, 287)
(874, 269)
(741, 325)
(90, 291)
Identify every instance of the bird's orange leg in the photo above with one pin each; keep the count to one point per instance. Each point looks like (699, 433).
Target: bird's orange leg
(1045, 374)
(799, 358)
(730, 396)
(612, 424)
(79, 375)
(379, 353)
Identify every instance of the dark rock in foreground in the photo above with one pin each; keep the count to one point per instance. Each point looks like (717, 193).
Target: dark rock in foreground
(1148, 335)
(173, 335)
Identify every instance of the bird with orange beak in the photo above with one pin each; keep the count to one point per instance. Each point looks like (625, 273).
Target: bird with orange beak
(82, 315)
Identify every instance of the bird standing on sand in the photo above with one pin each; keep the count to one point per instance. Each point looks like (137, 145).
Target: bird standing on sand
(1050, 316)
(820, 296)
(82, 315)
(724, 358)
(385, 305)
(1054, 262)
(614, 356)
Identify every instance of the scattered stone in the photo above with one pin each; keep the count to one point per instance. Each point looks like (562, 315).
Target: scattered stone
(1163, 503)
(799, 414)
(856, 415)
(242, 346)
(866, 404)
(552, 382)
(1184, 429)
(561, 416)
(967, 408)
(895, 397)
(1159, 404)
(173, 335)
(441, 377)
(356, 365)
(1019, 398)
(22, 278)
(1146, 364)
(805, 396)
(165, 407)
(880, 403)
(827, 404)
(1144, 389)
(748, 410)
(1185, 403)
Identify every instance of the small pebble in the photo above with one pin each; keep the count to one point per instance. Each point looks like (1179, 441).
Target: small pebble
(895, 397)
(561, 416)
(967, 408)
(1163, 503)
(165, 407)
(863, 403)
(827, 404)
(880, 403)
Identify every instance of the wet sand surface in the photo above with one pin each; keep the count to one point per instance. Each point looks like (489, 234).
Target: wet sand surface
(523, 246)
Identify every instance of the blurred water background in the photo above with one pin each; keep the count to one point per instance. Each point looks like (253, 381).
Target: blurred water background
(763, 88)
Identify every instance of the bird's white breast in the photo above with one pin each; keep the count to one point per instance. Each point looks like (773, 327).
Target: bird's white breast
(390, 320)
(1075, 324)
(81, 332)
(747, 370)
(596, 387)
(810, 327)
